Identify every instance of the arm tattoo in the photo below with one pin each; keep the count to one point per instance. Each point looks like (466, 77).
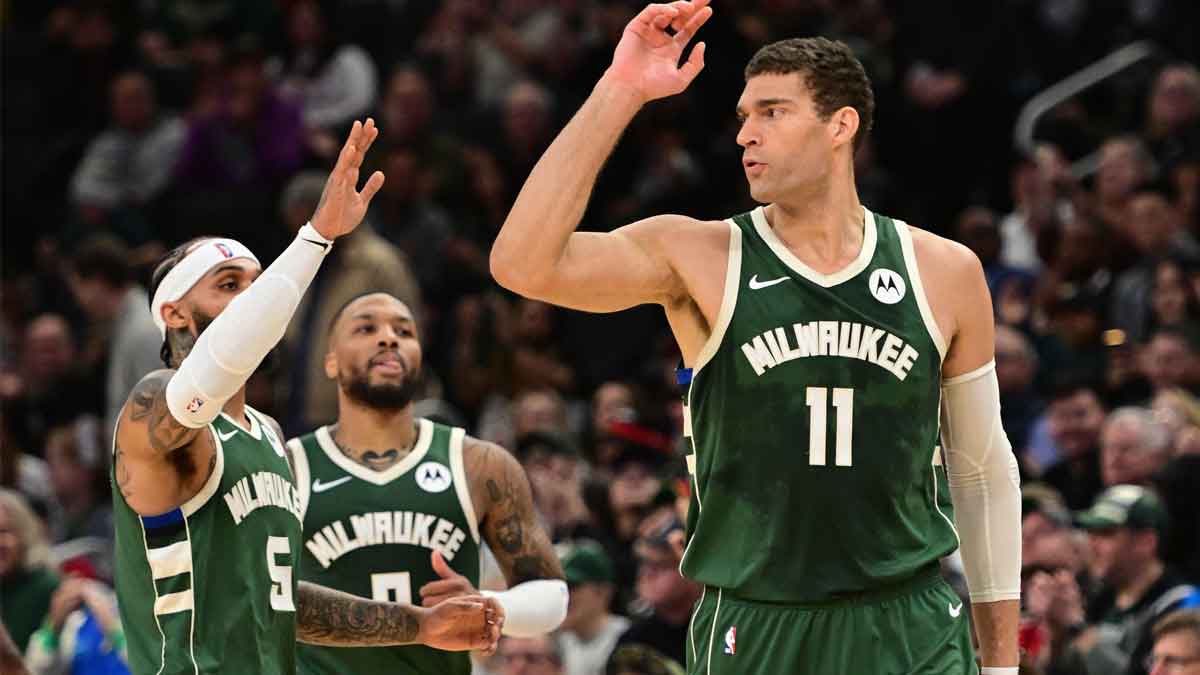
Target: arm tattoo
(510, 523)
(148, 404)
(123, 477)
(328, 617)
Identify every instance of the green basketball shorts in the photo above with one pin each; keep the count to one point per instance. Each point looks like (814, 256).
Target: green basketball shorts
(918, 627)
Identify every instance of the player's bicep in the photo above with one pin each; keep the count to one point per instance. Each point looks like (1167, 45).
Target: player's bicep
(973, 344)
(146, 425)
(612, 271)
(510, 525)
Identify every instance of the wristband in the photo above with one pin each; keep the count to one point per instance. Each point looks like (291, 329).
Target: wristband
(1000, 670)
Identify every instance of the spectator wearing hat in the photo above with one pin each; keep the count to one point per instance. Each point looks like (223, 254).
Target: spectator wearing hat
(1176, 644)
(589, 633)
(1135, 588)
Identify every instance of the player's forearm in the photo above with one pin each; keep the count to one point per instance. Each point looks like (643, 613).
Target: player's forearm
(328, 617)
(228, 351)
(554, 197)
(996, 624)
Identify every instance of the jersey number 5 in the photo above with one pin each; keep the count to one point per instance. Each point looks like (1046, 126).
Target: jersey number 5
(843, 402)
(281, 575)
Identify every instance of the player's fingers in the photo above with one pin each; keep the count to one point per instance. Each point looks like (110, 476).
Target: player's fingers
(348, 147)
(373, 184)
(694, 64)
(433, 600)
(442, 587)
(685, 9)
(366, 136)
(685, 34)
(439, 565)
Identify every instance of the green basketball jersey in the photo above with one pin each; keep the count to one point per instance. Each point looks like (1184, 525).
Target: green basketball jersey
(812, 413)
(208, 587)
(371, 533)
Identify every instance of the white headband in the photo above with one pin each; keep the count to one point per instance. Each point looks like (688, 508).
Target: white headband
(191, 269)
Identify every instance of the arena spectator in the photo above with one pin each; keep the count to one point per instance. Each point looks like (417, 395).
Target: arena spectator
(26, 580)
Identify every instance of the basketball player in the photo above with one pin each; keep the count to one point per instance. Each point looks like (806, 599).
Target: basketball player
(821, 340)
(207, 519)
(395, 506)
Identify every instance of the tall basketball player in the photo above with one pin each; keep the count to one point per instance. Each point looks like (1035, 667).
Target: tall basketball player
(823, 341)
(394, 506)
(207, 515)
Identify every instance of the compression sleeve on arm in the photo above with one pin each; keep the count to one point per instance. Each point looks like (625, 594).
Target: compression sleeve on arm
(532, 608)
(984, 484)
(228, 351)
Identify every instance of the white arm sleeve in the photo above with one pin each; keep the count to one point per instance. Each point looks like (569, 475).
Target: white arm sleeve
(984, 485)
(228, 351)
(533, 608)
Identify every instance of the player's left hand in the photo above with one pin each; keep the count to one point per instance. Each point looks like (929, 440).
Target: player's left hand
(450, 585)
(460, 624)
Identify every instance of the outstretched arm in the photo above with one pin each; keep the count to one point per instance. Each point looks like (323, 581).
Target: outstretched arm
(328, 617)
(537, 252)
(983, 475)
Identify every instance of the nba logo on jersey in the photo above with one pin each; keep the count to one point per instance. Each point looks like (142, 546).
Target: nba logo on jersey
(225, 250)
(195, 405)
(886, 286)
(731, 640)
(433, 477)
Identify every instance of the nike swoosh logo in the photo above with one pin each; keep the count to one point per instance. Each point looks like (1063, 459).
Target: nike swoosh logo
(225, 437)
(755, 284)
(318, 486)
(954, 611)
(322, 244)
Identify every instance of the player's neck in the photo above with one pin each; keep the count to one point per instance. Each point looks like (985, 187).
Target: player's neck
(235, 407)
(375, 438)
(824, 228)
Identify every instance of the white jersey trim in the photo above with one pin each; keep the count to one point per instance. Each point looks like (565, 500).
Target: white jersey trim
(424, 438)
(733, 279)
(303, 473)
(170, 561)
(918, 289)
(214, 481)
(461, 486)
(785, 255)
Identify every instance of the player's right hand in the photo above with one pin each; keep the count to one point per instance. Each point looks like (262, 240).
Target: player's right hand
(342, 206)
(647, 57)
(461, 624)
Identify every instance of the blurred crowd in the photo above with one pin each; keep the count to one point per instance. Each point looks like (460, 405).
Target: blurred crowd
(129, 127)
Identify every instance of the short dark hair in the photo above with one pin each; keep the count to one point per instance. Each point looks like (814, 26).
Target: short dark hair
(103, 257)
(342, 310)
(1067, 383)
(831, 72)
(164, 267)
(1178, 621)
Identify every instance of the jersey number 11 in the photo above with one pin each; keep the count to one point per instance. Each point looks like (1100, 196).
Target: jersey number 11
(843, 403)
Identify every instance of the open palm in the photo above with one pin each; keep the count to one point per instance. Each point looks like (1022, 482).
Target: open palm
(647, 57)
(342, 206)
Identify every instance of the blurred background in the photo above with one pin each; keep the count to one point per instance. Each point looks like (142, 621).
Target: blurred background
(1058, 139)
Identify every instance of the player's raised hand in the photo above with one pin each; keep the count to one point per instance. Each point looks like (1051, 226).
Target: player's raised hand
(460, 624)
(647, 57)
(342, 206)
(450, 584)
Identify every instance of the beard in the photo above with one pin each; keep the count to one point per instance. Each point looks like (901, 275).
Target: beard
(179, 343)
(385, 396)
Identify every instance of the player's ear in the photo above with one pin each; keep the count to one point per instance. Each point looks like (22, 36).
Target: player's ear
(843, 124)
(173, 316)
(331, 365)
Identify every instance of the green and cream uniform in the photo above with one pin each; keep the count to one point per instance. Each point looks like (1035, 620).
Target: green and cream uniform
(209, 587)
(820, 504)
(371, 533)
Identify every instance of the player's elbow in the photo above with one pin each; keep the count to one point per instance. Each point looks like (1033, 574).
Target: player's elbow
(515, 274)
